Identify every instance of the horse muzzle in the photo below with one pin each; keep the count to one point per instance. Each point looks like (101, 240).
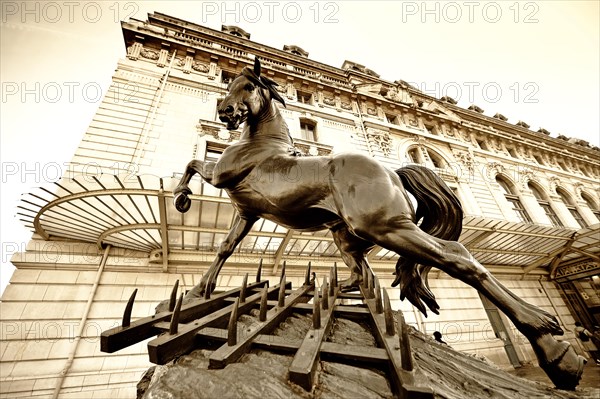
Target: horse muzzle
(232, 120)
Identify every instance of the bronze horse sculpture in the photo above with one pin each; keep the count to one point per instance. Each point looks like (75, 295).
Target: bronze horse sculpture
(363, 204)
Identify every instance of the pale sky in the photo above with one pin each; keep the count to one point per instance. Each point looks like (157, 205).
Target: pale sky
(531, 61)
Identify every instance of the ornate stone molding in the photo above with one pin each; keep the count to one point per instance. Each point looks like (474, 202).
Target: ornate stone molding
(149, 54)
(217, 133)
(525, 176)
(381, 139)
(466, 159)
(312, 148)
(579, 189)
(419, 140)
(493, 169)
(200, 67)
(554, 184)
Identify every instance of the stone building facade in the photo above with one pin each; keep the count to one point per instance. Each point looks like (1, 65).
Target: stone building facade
(531, 202)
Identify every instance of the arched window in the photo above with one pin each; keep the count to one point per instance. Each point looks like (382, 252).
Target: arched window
(592, 204)
(414, 155)
(513, 198)
(570, 204)
(436, 159)
(545, 204)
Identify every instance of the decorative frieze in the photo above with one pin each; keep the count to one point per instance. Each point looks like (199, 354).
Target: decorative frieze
(381, 139)
(149, 54)
(466, 159)
(200, 67)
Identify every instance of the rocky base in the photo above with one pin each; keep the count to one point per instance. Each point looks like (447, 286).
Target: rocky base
(263, 374)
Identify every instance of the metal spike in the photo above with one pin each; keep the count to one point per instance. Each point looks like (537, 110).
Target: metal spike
(127, 313)
(307, 275)
(232, 326)
(281, 298)
(364, 276)
(282, 272)
(316, 311)
(335, 274)
(370, 284)
(387, 312)
(325, 294)
(173, 297)
(243, 289)
(259, 271)
(378, 303)
(175, 317)
(405, 354)
(262, 315)
(331, 286)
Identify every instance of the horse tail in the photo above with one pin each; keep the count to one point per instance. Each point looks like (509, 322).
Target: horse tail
(441, 214)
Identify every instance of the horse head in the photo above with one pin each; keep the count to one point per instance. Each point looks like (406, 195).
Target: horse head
(249, 95)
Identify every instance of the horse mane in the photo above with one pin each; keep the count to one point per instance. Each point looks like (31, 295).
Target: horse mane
(262, 81)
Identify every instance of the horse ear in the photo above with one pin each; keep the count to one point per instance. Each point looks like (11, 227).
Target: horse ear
(276, 96)
(256, 66)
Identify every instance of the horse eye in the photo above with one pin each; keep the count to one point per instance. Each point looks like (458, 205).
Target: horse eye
(249, 87)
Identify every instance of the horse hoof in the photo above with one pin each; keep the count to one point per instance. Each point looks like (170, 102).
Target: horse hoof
(565, 370)
(182, 202)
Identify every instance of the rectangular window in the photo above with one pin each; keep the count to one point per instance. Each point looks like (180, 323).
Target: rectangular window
(391, 119)
(307, 131)
(214, 150)
(482, 144)
(304, 97)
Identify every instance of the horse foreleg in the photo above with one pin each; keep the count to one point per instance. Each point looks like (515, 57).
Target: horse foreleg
(181, 192)
(239, 230)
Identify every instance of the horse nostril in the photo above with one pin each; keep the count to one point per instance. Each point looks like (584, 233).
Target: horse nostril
(229, 110)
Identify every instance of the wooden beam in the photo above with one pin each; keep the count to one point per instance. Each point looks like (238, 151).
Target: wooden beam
(349, 354)
(165, 348)
(403, 380)
(304, 366)
(230, 353)
(121, 337)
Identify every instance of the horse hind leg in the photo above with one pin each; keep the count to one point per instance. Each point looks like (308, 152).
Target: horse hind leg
(558, 359)
(353, 251)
